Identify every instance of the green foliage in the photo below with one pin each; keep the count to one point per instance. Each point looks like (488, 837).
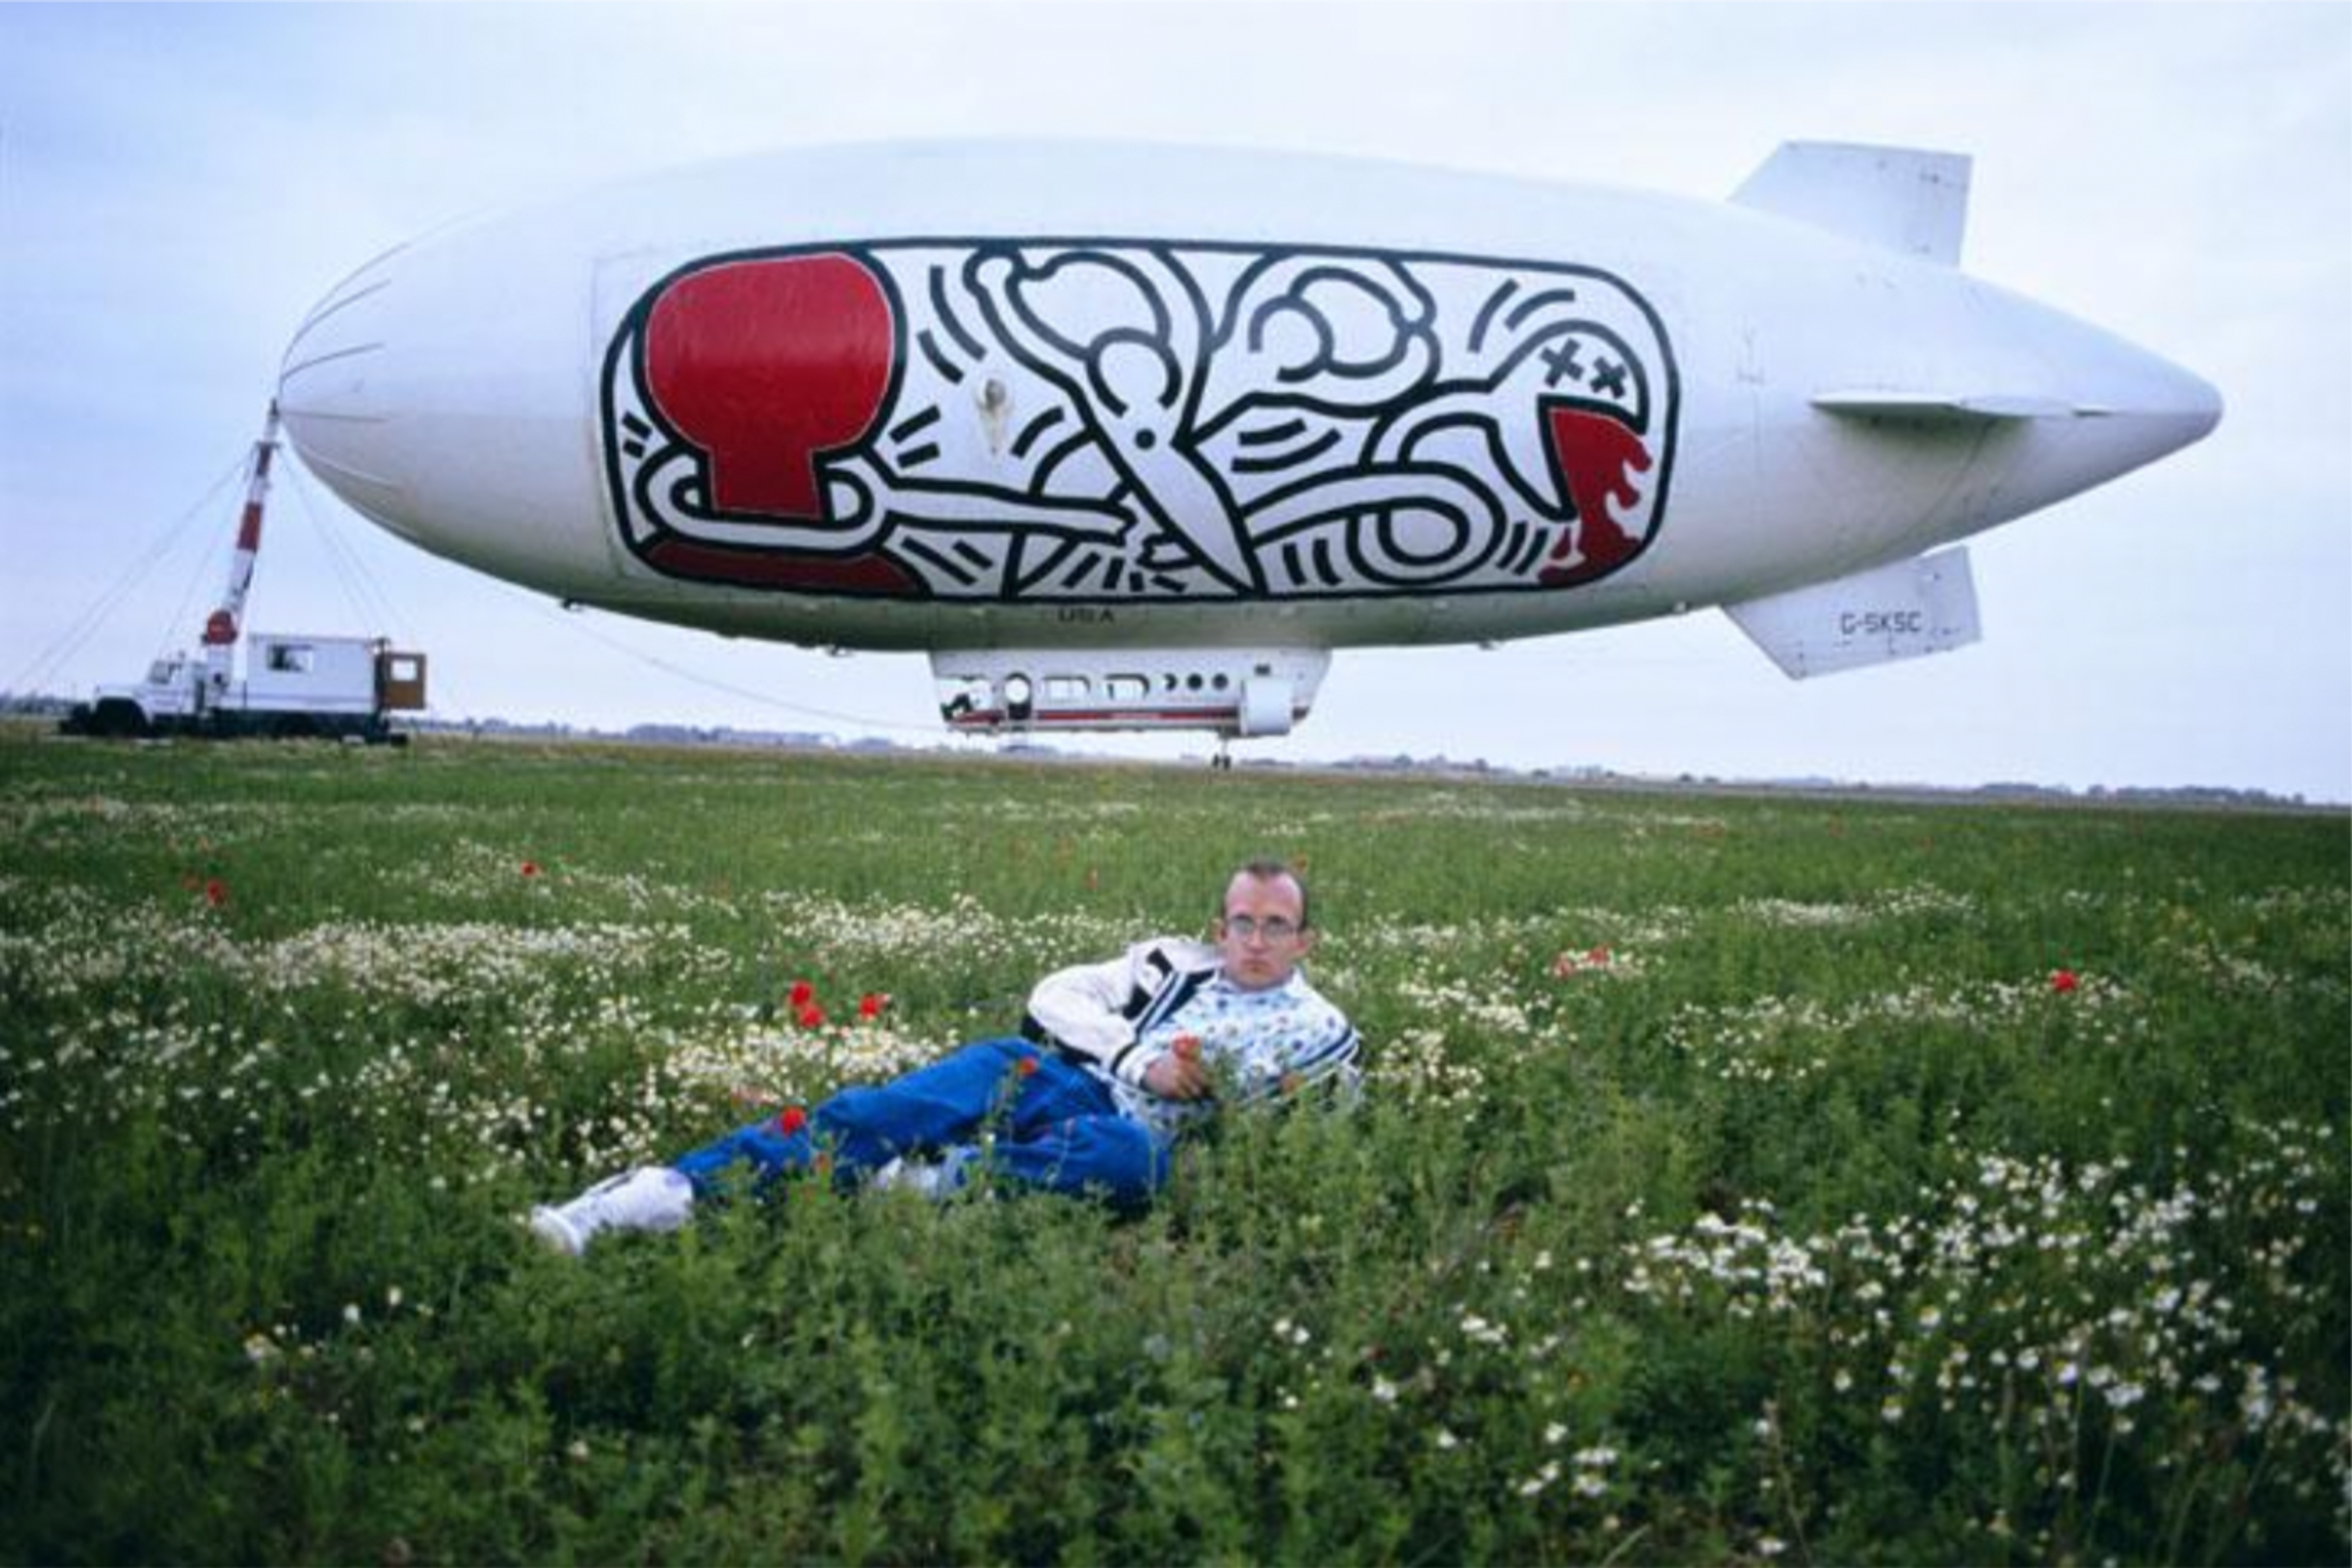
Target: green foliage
(1736, 1178)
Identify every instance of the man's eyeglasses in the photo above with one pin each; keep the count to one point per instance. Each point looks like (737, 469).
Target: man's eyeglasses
(1274, 928)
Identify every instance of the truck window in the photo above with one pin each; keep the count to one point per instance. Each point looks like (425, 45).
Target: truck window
(293, 659)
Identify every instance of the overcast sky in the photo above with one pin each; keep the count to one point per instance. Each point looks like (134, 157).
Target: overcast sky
(179, 184)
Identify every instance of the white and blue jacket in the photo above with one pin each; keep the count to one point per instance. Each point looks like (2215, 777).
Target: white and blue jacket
(1117, 1018)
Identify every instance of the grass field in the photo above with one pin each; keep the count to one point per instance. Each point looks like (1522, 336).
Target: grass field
(1739, 1179)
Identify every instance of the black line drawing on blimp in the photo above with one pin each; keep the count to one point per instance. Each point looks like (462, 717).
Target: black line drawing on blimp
(1158, 423)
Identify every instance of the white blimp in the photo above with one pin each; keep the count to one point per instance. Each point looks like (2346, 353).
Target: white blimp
(1134, 437)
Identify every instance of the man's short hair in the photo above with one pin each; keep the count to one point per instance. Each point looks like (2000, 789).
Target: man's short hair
(1267, 870)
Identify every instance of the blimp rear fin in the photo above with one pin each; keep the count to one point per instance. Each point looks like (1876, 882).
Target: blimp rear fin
(1913, 202)
(1923, 606)
(1946, 408)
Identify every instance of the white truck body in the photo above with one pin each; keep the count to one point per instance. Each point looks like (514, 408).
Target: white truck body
(294, 684)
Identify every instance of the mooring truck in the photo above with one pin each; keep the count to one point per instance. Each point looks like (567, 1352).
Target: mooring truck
(343, 687)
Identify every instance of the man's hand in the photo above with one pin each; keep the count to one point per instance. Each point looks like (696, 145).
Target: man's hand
(1181, 1074)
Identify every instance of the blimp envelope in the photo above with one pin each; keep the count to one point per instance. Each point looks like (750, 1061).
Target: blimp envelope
(1130, 423)
(1126, 437)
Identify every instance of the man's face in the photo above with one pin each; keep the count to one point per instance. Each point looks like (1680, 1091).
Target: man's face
(1260, 938)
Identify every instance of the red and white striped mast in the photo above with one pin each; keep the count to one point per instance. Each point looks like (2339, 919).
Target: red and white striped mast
(223, 625)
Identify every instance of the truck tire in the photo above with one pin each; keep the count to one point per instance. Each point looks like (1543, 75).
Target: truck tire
(117, 719)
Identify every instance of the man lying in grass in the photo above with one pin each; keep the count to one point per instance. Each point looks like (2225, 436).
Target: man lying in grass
(1113, 1062)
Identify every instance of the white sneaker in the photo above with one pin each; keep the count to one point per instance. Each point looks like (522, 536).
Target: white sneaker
(901, 1176)
(934, 1179)
(557, 1232)
(651, 1197)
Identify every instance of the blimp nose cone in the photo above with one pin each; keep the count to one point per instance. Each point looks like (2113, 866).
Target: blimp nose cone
(440, 390)
(337, 399)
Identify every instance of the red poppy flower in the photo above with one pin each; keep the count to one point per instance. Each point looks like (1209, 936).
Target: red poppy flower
(1026, 1065)
(802, 994)
(792, 1121)
(2065, 981)
(215, 892)
(812, 1016)
(530, 867)
(870, 1005)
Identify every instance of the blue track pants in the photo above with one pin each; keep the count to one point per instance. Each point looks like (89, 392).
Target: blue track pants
(1056, 1126)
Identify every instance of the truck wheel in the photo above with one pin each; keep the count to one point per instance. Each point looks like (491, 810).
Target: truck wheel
(118, 720)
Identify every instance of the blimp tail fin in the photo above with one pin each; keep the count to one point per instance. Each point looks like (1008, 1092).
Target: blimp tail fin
(1909, 201)
(1948, 408)
(1923, 606)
